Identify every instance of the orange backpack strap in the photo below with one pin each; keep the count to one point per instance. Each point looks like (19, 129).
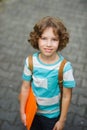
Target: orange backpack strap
(30, 63)
(61, 74)
(61, 80)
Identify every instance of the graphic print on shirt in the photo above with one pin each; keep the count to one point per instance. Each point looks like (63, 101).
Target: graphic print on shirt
(40, 82)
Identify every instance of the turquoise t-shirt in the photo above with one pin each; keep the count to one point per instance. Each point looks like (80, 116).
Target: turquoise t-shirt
(45, 84)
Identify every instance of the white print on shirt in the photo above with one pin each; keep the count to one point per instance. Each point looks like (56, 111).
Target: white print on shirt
(40, 82)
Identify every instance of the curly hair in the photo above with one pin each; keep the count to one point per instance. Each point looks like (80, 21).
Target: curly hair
(58, 28)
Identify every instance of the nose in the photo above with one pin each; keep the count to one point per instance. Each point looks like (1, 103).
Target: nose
(49, 42)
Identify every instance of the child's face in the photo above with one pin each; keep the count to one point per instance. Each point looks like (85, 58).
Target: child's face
(48, 43)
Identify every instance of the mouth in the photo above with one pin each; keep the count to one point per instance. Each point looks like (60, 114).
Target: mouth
(47, 49)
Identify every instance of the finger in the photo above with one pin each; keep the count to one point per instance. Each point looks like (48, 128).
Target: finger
(25, 121)
(55, 128)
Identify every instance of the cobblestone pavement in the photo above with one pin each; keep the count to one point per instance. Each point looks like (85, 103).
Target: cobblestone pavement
(17, 18)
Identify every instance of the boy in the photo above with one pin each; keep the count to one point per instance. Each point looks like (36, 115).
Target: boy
(49, 36)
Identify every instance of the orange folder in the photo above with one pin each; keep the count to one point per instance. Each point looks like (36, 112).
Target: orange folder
(30, 109)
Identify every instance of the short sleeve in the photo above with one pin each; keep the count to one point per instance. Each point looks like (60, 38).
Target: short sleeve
(68, 77)
(27, 74)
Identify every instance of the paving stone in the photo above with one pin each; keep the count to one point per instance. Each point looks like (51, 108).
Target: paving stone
(4, 105)
(10, 84)
(85, 128)
(80, 121)
(8, 116)
(70, 118)
(74, 99)
(84, 82)
(80, 110)
(82, 100)
(7, 126)
(73, 128)
(2, 92)
(4, 65)
(80, 90)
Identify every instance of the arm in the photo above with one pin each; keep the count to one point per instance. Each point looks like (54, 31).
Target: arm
(24, 95)
(67, 94)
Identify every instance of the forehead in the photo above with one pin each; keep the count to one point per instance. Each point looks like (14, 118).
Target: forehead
(49, 31)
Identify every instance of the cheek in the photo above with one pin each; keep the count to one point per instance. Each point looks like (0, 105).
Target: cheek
(40, 44)
(56, 45)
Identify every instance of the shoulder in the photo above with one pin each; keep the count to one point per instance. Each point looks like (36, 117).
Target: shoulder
(68, 64)
(32, 56)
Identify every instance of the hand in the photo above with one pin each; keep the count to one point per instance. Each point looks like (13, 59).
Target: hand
(59, 125)
(23, 118)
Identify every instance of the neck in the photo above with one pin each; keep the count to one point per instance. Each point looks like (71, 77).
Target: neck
(47, 59)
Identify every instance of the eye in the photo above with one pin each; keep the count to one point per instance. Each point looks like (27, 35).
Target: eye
(43, 38)
(54, 39)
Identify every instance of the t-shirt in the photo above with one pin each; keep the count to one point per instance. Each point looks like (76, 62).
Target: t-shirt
(44, 82)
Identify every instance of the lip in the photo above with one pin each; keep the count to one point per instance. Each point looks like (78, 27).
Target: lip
(47, 49)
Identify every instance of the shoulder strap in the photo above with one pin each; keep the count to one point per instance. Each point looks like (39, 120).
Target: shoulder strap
(61, 74)
(30, 63)
(61, 81)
